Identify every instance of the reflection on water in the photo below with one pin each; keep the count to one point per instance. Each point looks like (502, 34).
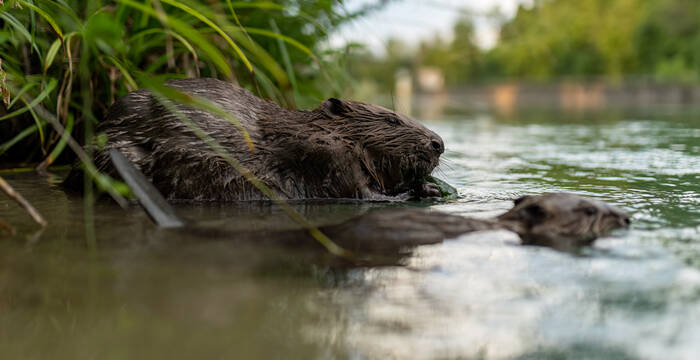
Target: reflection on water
(140, 292)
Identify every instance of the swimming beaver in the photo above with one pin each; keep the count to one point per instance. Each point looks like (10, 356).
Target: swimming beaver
(341, 149)
(559, 220)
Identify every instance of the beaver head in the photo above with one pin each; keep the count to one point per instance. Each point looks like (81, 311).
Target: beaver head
(561, 220)
(396, 151)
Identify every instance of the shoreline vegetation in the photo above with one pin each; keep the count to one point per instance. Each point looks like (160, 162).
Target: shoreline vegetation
(74, 58)
(65, 62)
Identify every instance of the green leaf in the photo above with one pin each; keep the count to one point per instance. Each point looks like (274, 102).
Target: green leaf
(447, 191)
(52, 54)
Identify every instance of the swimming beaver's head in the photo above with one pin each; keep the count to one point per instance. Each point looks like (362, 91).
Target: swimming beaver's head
(397, 152)
(562, 220)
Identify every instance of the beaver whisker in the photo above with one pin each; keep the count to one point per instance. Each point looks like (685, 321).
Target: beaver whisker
(439, 172)
(446, 161)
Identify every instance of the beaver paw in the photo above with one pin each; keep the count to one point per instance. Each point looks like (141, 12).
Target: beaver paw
(428, 190)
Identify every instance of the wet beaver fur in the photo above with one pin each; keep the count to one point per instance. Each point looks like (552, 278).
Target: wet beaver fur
(341, 149)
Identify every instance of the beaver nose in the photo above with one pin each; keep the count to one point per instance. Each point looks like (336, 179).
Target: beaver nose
(622, 218)
(437, 145)
(625, 220)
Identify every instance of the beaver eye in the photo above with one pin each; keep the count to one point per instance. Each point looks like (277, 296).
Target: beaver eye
(590, 211)
(392, 120)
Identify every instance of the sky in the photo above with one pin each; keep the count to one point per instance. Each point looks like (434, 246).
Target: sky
(415, 20)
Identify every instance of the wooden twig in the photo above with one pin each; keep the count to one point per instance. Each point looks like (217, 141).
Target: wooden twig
(7, 189)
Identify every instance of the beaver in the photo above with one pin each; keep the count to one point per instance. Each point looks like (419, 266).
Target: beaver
(341, 149)
(562, 221)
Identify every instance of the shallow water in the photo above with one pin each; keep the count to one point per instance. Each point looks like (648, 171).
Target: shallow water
(120, 288)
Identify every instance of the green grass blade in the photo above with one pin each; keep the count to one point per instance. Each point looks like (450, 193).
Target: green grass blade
(189, 33)
(265, 59)
(127, 76)
(61, 145)
(177, 36)
(23, 90)
(46, 16)
(286, 60)
(39, 125)
(201, 103)
(21, 29)
(268, 85)
(233, 13)
(23, 134)
(67, 9)
(278, 36)
(49, 88)
(267, 5)
(215, 27)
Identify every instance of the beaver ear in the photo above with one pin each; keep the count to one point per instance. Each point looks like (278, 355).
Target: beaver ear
(336, 106)
(521, 199)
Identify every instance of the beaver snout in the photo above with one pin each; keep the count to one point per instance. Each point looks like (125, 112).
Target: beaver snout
(623, 220)
(436, 145)
(626, 221)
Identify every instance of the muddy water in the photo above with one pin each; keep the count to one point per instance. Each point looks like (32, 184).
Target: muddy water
(103, 283)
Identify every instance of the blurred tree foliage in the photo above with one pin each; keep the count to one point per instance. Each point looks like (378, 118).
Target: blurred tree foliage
(612, 38)
(73, 58)
(549, 39)
(460, 57)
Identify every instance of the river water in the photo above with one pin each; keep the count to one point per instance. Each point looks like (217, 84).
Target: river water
(106, 284)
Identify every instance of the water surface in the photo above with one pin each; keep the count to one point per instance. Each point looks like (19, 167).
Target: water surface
(107, 284)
